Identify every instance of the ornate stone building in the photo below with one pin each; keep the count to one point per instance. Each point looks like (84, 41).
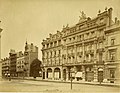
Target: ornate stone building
(30, 54)
(82, 51)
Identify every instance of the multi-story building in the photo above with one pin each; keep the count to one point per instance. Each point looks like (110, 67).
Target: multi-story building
(13, 60)
(112, 47)
(20, 64)
(30, 53)
(5, 67)
(81, 51)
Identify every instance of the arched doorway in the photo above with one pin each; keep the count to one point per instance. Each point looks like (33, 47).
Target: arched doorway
(49, 73)
(100, 75)
(57, 74)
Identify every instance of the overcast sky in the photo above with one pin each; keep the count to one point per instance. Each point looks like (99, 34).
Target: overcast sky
(35, 19)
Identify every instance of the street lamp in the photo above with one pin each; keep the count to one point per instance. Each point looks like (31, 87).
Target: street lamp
(9, 77)
(71, 71)
(40, 72)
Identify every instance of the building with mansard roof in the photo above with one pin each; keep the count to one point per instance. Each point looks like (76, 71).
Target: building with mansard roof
(87, 51)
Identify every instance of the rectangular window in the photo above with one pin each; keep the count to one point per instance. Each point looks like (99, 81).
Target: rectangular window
(55, 43)
(73, 38)
(92, 34)
(47, 45)
(59, 42)
(112, 55)
(112, 73)
(51, 45)
(113, 41)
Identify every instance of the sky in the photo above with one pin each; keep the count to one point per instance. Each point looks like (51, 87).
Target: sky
(33, 20)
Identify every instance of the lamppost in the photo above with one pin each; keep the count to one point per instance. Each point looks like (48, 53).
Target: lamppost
(71, 71)
(9, 77)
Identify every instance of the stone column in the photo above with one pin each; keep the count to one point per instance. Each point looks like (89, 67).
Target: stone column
(89, 57)
(45, 73)
(67, 74)
(105, 74)
(67, 55)
(95, 73)
(75, 47)
(95, 50)
(75, 69)
(83, 57)
(61, 72)
(52, 73)
(83, 73)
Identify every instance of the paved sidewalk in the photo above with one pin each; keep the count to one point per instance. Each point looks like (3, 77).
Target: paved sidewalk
(74, 82)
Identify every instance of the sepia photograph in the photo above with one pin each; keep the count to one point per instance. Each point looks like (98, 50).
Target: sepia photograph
(60, 46)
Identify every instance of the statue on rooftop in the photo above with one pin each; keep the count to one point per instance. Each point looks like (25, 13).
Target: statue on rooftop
(83, 16)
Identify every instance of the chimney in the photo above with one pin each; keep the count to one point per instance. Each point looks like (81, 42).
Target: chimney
(110, 15)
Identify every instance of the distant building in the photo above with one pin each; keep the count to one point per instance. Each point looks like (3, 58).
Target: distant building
(13, 60)
(30, 53)
(20, 64)
(89, 50)
(5, 67)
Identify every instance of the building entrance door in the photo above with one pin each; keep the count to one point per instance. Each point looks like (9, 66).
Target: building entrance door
(43, 75)
(57, 74)
(64, 74)
(89, 76)
(100, 76)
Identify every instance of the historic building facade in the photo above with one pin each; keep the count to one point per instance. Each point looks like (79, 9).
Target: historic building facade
(13, 60)
(5, 67)
(112, 47)
(20, 64)
(30, 54)
(81, 51)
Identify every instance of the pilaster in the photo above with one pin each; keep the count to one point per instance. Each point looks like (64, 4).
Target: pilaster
(83, 73)
(95, 73)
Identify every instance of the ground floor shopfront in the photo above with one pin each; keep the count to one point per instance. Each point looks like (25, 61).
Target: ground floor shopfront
(96, 73)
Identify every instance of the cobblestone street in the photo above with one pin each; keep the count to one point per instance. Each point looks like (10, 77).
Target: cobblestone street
(41, 86)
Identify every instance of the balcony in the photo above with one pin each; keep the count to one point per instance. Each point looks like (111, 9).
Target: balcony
(100, 62)
(91, 51)
(86, 62)
(100, 50)
(100, 38)
(64, 55)
(71, 55)
(79, 53)
(87, 52)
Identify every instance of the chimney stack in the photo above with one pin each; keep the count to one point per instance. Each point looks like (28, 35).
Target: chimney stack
(110, 15)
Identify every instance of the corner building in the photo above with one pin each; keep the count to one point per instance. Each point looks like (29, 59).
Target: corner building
(81, 51)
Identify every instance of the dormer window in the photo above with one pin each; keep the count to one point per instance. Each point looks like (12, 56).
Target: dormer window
(47, 45)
